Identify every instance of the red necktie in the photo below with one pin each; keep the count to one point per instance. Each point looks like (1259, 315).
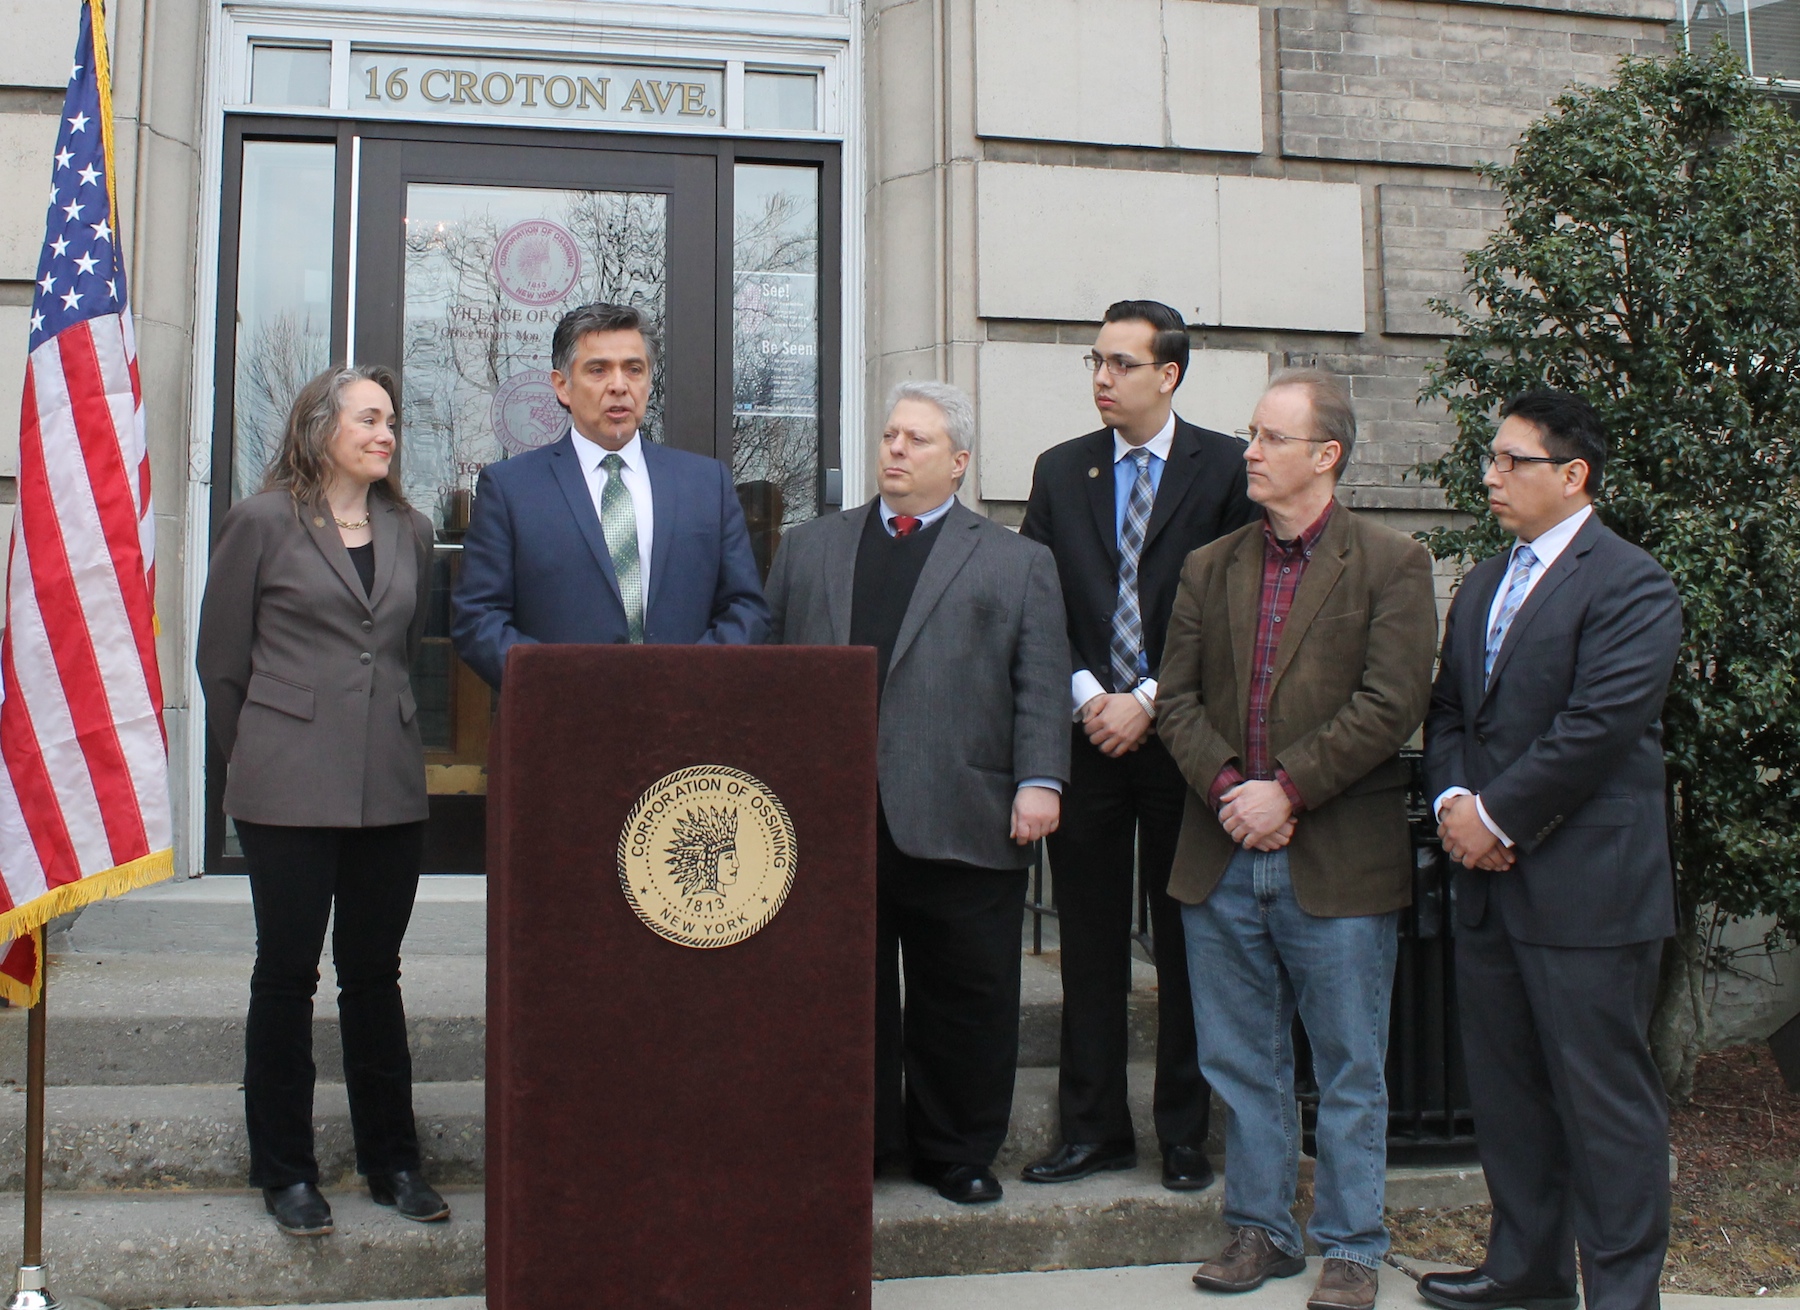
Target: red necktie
(905, 525)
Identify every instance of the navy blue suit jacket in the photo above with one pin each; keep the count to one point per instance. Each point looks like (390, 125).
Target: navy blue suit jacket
(535, 567)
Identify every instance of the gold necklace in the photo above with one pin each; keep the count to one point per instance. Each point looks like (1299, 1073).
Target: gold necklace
(362, 522)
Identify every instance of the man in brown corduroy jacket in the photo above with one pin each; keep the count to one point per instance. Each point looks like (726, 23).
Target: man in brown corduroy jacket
(1298, 663)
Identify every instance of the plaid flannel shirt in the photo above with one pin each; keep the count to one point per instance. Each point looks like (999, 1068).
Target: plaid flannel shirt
(1284, 564)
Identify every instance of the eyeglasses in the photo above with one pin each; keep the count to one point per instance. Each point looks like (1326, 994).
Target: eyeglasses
(1504, 461)
(1117, 365)
(1275, 440)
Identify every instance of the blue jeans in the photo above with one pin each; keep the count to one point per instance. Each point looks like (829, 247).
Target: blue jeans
(1253, 953)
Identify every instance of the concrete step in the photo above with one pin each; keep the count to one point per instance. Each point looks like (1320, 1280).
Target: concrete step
(1110, 1219)
(132, 1250)
(139, 1249)
(123, 1018)
(190, 916)
(152, 988)
(134, 1019)
(192, 1134)
(188, 1135)
(197, 1248)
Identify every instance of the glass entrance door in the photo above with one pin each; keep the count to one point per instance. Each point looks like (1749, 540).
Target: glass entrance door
(450, 256)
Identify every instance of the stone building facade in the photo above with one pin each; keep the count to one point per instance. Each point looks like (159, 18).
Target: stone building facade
(981, 177)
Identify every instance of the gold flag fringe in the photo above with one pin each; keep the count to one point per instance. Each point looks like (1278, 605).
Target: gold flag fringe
(34, 914)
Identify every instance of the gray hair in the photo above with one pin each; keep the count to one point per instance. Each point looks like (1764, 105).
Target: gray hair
(952, 402)
(597, 317)
(1334, 419)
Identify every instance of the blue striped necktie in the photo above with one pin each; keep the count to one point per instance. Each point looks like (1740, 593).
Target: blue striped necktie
(1128, 619)
(1523, 562)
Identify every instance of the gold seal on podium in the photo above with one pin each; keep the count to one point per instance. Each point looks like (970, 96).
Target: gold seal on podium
(706, 856)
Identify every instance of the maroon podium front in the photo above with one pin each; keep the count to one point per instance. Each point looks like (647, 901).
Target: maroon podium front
(673, 1124)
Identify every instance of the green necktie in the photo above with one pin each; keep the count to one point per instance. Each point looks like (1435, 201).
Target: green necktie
(618, 521)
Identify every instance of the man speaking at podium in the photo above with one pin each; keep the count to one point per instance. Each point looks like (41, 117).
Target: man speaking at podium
(972, 659)
(603, 537)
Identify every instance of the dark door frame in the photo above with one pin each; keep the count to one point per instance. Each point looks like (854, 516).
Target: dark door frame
(633, 151)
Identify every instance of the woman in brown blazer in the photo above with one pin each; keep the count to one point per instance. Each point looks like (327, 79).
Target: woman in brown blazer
(315, 606)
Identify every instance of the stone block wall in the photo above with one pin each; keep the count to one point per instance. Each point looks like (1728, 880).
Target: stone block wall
(1305, 208)
(1424, 232)
(1433, 84)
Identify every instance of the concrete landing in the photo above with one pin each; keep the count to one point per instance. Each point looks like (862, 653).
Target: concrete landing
(1156, 1288)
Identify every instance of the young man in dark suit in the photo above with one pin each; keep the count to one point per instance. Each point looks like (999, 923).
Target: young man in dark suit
(1544, 752)
(603, 536)
(1121, 508)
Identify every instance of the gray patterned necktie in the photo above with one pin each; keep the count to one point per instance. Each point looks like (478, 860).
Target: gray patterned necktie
(1128, 619)
(1523, 561)
(618, 521)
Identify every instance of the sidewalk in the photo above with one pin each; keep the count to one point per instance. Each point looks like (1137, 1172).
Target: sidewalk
(1153, 1287)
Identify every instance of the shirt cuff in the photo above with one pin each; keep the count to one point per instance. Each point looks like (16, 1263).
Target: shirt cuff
(1295, 801)
(1492, 827)
(1083, 687)
(1053, 784)
(1445, 797)
(1229, 777)
(1451, 793)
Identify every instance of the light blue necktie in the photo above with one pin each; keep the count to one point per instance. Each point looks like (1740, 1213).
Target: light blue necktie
(618, 523)
(1517, 578)
(1128, 619)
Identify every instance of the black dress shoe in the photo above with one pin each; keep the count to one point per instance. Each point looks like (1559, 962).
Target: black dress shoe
(298, 1209)
(1079, 1159)
(1475, 1290)
(1186, 1169)
(966, 1184)
(410, 1195)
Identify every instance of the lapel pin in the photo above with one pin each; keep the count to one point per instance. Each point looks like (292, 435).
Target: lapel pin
(1093, 473)
(318, 522)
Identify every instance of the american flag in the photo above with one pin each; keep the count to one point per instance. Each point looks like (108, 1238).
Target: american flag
(84, 789)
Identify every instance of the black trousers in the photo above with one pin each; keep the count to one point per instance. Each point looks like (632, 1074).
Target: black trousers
(1570, 1117)
(1108, 803)
(296, 874)
(957, 1039)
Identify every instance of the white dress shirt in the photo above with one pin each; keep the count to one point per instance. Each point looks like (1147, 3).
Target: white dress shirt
(636, 478)
(1084, 686)
(1547, 548)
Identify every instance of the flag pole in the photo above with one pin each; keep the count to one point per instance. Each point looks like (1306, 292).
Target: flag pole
(29, 1292)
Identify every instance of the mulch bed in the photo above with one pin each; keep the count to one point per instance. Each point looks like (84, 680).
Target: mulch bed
(1735, 1221)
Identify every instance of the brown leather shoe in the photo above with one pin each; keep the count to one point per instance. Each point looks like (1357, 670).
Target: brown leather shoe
(1344, 1285)
(1248, 1260)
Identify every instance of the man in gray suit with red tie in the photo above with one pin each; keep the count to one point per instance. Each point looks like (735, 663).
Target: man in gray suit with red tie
(1544, 753)
(971, 674)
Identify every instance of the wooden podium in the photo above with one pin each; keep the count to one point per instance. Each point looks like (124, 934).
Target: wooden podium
(674, 1124)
